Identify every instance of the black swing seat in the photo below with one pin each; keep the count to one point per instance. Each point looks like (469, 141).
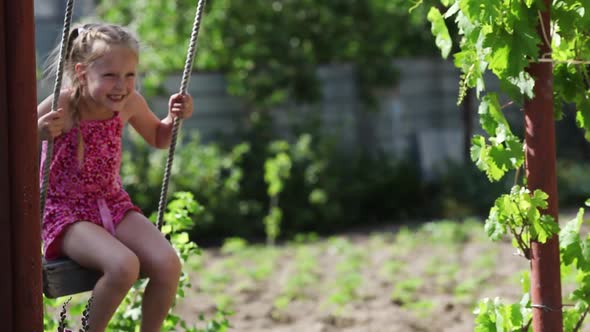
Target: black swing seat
(62, 277)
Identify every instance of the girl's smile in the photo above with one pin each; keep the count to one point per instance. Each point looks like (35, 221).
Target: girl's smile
(110, 79)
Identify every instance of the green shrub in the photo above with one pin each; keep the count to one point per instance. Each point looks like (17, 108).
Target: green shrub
(462, 191)
(325, 190)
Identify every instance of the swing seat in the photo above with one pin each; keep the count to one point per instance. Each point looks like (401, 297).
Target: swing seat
(62, 277)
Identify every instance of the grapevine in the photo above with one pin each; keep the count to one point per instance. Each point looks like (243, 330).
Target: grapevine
(502, 37)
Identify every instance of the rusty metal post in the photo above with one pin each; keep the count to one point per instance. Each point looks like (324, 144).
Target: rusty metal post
(541, 174)
(19, 26)
(6, 314)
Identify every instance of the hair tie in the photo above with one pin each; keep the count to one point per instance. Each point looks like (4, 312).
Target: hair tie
(73, 35)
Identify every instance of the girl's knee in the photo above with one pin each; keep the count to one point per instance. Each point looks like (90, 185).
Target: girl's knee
(122, 270)
(167, 266)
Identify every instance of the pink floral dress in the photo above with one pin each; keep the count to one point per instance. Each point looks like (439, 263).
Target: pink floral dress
(87, 189)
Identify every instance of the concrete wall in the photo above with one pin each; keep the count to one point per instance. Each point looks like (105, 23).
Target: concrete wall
(418, 118)
(49, 17)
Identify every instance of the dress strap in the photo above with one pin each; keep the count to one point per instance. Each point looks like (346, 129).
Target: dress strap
(106, 216)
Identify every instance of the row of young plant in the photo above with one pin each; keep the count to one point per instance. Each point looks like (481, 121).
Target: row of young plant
(335, 275)
(502, 37)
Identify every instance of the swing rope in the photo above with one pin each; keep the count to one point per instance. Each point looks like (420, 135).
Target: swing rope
(56, 91)
(175, 127)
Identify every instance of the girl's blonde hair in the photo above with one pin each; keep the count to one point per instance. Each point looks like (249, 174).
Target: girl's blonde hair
(82, 48)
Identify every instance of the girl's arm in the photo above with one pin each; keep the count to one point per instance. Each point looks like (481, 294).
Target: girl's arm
(156, 132)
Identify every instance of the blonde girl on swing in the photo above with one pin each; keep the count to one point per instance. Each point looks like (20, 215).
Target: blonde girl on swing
(88, 216)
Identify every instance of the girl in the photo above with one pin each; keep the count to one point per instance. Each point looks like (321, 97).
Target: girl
(88, 215)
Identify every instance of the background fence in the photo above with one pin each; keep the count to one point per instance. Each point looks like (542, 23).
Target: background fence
(417, 119)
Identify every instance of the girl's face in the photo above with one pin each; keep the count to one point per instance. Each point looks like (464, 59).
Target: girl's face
(110, 79)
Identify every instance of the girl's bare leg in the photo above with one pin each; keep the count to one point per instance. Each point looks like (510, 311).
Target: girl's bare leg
(93, 247)
(158, 261)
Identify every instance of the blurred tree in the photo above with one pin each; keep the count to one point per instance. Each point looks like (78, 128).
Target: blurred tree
(269, 50)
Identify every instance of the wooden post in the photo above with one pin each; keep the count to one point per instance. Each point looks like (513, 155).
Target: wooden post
(23, 167)
(541, 174)
(6, 314)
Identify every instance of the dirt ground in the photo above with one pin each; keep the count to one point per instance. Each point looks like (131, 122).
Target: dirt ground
(436, 303)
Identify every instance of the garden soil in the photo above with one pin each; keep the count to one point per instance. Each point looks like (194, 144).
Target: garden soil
(448, 280)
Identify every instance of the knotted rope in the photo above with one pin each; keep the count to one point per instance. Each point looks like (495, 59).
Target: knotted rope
(56, 91)
(175, 127)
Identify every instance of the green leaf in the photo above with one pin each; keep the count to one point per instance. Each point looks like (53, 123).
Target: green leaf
(180, 239)
(500, 156)
(490, 113)
(477, 151)
(485, 317)
(505, 151)
(440, 31)
(494, 226)
(476, 10)
(569, 240)
(487, 164)
(514, 314)
(512, 40)
(515, 147)
(499, 59)
(446, 3)
(544, 228)
(583, 114)
(539, 199)
(524, 82)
